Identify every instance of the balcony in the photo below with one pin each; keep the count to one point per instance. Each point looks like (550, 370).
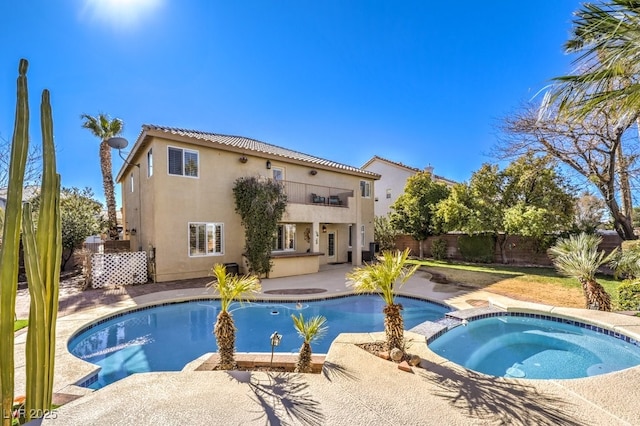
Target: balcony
(303, 193)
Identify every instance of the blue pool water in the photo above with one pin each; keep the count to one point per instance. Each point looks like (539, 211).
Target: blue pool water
(510, 346)
(165, 338)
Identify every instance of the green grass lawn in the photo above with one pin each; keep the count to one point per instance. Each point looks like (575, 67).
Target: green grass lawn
(530, 282)
(20, 324)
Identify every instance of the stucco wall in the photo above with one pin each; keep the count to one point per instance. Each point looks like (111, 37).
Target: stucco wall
(169, 203)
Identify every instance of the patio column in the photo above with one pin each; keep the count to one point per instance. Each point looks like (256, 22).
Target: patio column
(356, 249)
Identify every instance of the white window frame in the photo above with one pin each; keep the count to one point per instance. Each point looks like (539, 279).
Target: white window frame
(211, 248)
(184, 165)
(275, 169)
(365, 189)
(284, 230)
(150, 162)
(388, 193)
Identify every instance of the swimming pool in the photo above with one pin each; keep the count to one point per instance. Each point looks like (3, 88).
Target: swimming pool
(167, 337)
(536, 347)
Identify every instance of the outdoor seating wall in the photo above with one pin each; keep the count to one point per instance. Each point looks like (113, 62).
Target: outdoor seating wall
(519, 250)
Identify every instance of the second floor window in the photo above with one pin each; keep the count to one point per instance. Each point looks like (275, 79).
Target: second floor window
(278, 174)
(150, 163)
(365, 189)
(183, 162)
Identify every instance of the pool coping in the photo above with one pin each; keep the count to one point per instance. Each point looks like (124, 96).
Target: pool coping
(73, 372)
(606, 398)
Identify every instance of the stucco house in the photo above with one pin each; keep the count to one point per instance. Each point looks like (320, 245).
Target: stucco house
(393, 178)
(178, 203)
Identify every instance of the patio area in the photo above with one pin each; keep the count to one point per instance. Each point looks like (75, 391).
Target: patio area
(354, 387)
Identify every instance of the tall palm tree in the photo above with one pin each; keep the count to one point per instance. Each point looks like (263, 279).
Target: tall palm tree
(230, 287)
(310, 331)
(380, 277)
(105, 128)
(577, 256)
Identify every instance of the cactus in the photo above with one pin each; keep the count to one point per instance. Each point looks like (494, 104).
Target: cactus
(42, 262)
(42, 256)
(11, 242)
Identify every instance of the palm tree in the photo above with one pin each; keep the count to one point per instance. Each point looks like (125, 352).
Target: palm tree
(577, 256)
(105, 128)
(380, 277)
(309, 331)
(230, 287)
(607, 37)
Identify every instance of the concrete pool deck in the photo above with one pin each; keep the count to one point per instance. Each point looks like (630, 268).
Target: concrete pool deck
(354, 388)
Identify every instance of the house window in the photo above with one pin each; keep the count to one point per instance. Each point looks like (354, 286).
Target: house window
(388, 193)
(131, 182)
(149, 163)
(362, 234)
(206, 239)
(278, 173)
(183, 162)
(350, 235)
(365, 189)
(285, 238)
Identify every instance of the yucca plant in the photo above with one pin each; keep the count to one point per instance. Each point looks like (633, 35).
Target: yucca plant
(626, 263)
(311, 330)
(230, 288)
(577, 256)
(380, 277)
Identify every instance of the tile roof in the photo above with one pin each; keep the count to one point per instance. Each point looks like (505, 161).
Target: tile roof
(254, 145)
(404, 166)
(397, 163)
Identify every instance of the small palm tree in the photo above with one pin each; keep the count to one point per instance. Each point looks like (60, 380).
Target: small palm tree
(105, 128)
(309, 331)
(380, 277)
(577, 256)
(626, 263)
(230, 287)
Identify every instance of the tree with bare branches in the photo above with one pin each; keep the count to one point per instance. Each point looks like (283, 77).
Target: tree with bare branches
(33, 165)
(594, 147)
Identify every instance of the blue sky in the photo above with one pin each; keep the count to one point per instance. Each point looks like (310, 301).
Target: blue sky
(419, 82)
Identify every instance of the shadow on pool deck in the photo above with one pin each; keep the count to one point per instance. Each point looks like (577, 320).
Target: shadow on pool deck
(74, 300)
(508, 402)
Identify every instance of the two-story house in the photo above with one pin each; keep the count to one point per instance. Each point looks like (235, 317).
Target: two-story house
(178, 203)
(393, 178)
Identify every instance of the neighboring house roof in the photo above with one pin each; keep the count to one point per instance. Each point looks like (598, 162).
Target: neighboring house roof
(408, 168)
(28, 192)
(238, 144)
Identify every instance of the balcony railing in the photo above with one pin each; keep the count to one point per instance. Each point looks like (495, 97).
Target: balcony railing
(304, 193)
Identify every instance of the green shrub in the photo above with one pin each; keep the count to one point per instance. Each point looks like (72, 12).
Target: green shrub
(477, 248)
(629, 295)
(438, 249)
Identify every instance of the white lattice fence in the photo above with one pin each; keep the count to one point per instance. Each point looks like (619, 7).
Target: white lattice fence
(111, 269)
